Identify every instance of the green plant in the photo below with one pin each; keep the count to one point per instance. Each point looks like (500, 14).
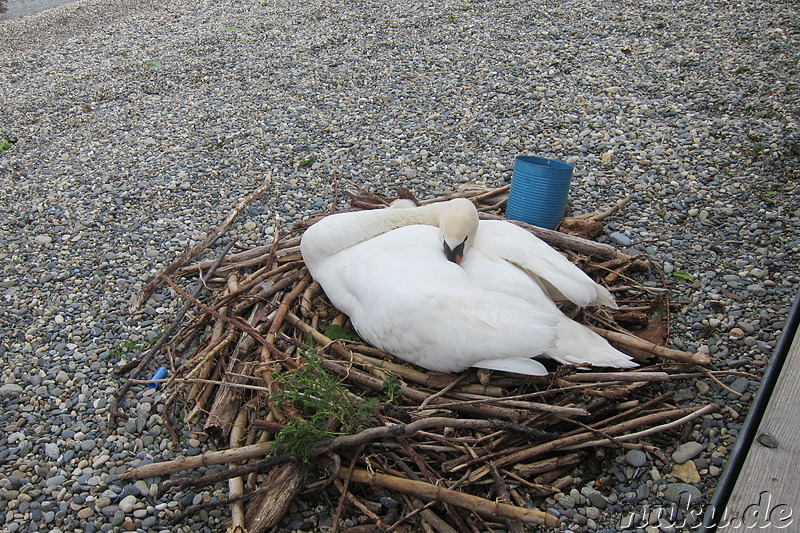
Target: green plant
(316, 394)
(768, 198)
(133, 346)
(307, 162)
(391, 389)
(336, 332)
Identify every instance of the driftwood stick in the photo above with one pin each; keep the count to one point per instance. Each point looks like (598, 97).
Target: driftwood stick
(235, 321)
(216, 343)
(638, 343)
(595, 250)
(194, 482)
(284, 482)
(208, 389)
(527, 470)
(630, 412)
(504, 496)
(402, 430)
(138, 298)
(236, 484)
(206, 459)
(426, 491)
(532, 406)
(586, 377)
(696, 413)
(610, 211)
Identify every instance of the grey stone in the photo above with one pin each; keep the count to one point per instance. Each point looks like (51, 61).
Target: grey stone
(11, 389)
(636, 458)
(686, 451)
(682, 493)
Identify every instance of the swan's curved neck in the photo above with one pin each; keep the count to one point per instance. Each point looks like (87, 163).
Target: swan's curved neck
(342, 230)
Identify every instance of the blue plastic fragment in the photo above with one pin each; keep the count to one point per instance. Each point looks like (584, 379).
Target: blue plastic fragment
(160, 374)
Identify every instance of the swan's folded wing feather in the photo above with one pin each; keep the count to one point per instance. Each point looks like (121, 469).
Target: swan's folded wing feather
(556, 274)
(530, 367)
(426, 310)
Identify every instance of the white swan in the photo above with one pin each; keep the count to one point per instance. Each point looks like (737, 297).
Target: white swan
(488, 306)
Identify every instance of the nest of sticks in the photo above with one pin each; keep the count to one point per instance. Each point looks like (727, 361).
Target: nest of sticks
(266, 373)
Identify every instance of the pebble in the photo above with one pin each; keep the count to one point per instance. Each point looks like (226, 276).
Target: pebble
(682, 493)
(127, 503)
(118, 168)
(620, 239)
(686, 472)
(686, 451)
(636, 458)
(740, 384)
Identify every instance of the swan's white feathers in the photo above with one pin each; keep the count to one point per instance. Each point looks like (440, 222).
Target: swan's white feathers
(557, 275)
(531, 367)
(432, 314)
(386, 269)
(575, 343)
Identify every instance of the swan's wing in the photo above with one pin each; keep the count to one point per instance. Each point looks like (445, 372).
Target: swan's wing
(403, 296)
(555, 273)
(575, 343)
(531, 367)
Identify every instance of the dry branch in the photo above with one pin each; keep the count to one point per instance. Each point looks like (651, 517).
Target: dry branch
(637, 343)
(207, 459)
(433, 492)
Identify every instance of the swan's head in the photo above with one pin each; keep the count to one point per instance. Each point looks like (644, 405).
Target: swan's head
(458, 226)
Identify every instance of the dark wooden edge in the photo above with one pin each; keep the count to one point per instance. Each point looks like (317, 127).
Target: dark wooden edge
(719, 500)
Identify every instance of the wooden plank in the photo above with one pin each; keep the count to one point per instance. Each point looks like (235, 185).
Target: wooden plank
(766, 496)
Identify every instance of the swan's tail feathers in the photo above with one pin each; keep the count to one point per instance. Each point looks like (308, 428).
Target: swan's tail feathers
(604, 297)
(518, 365)
(577, 344)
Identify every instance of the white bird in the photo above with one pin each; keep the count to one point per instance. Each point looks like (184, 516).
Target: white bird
(435, 287)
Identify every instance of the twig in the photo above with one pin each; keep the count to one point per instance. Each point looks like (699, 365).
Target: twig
(442, 392)
(657, 429)
(236, 484)
(720, 383)
(344, 490)
(608, 212)
(206, 459)
(640, 344)
(573, 441)
(460, 499)
(504, 496)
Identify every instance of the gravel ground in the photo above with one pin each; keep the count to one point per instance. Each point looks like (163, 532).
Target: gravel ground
(133, 127)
